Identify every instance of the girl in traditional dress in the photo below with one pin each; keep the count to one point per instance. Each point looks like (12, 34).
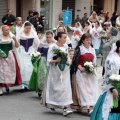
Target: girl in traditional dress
(96, 41)
(29, 42)
(58, 89)
(85, 85)
(9, 70)
(104, 108)
(76, 34)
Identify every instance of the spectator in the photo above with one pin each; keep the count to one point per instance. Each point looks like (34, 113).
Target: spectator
(30, 14)
(113, 18)
(8, 19)
(84, 19)
(16, 27)
(78, 19)
(36, 21)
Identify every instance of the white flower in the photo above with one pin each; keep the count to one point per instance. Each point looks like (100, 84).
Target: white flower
(114, 77)
(35, 54)
(62, 49)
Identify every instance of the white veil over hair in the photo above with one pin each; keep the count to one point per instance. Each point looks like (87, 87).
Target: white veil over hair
(80, 26)
(33, 32)
(44, 37)
(92, 16)
(118, 20)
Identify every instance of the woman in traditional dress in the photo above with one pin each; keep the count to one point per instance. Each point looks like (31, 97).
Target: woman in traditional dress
(76, 34)
(93, 18)
(38, 77)
(9, 70)
(62, 29)
(96, 41)
(29, 42)
(47, 41)
(104, 108)
(85, 85)
(58, 89)
(86, 28)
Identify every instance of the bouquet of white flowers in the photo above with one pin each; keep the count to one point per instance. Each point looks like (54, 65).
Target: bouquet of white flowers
(103, 34)
(89, 67)
(60, 52)
(35, 54)
(115, 81)
(35, 58)
(77, 38)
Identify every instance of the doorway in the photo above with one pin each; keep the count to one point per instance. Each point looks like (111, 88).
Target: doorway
(18, 8)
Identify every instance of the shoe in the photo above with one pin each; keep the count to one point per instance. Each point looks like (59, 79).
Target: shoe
(1, 94)
(39, 95)
(90, 112)
(25, 89)
(53, 110)
(66, 113)
(7, 89)
(22, 89)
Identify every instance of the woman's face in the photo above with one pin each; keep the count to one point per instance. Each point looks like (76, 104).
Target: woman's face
(96, 24)
(76, 25)
(94, 15)
(49, 38)
(62, 40)
(60, 29)
(6, 30)
(87, 42)
(27, 29)
(86, 24)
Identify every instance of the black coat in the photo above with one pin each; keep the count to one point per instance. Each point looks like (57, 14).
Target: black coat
(8, 20)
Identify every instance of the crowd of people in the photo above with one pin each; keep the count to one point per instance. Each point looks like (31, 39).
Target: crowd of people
(60, 69)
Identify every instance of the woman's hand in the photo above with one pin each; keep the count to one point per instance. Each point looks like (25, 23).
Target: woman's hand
(115, 93)
(16, 42)
(82, 69)
(58, 59)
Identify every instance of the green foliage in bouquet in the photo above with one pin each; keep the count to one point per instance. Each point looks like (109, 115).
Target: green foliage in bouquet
(3, 54)
(63, 55)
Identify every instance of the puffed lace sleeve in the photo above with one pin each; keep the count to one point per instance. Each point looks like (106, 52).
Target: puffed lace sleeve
(50, 54)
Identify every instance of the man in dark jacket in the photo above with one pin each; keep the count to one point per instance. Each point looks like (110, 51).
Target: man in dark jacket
(35, 20)
(8, 19)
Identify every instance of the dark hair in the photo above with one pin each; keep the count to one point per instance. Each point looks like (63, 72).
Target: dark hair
(98, 23)
(38, 32)
(84, 36)
(87, 23)
(118, 46)
(78, 23)
(49, 32)
(35, 13)
(62, 27)
(30, 11)
(59, 35)
(27, 24)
